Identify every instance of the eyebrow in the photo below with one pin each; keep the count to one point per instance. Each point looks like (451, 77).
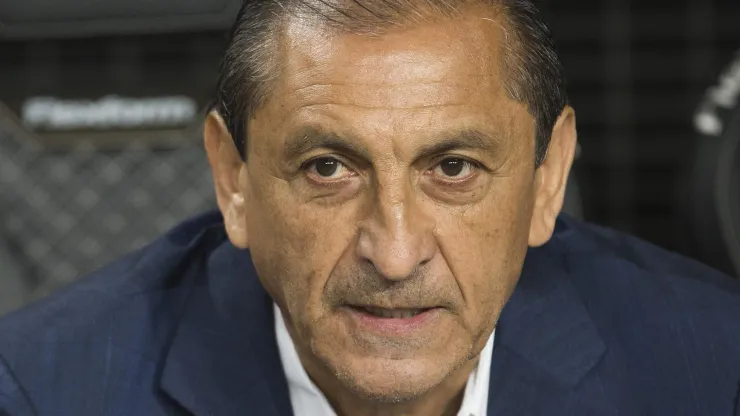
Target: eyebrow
(309, 139)
(470, 139)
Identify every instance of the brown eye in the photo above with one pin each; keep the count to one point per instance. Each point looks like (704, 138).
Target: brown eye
(328, 168)
(454, 168)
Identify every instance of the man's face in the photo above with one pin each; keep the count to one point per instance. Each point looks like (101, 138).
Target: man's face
(388, 197)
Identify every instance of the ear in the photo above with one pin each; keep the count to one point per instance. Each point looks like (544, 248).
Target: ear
(229, 177)
(551, 178)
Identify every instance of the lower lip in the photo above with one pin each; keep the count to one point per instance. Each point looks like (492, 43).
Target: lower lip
(394, 326)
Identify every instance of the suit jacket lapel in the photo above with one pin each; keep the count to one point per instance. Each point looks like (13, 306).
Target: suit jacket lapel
(223, 359)
(545, 340)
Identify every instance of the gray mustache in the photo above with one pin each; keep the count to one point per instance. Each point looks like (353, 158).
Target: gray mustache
(366, 287)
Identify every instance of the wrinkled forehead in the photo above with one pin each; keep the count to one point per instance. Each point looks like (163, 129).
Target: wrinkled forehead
(406, 85)
(464, 53)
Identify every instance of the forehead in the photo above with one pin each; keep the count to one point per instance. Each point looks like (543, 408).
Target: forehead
(464, 51)
(407, 79)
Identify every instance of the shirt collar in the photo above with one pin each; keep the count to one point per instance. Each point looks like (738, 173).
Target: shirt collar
(308, 400)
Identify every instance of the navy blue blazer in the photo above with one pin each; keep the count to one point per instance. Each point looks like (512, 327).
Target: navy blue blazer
(599, 324)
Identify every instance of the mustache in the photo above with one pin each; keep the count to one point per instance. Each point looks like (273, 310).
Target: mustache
(365, 286)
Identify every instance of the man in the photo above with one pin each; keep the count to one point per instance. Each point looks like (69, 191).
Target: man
(389, 176)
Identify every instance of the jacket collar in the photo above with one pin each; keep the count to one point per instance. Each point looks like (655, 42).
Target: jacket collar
(545, 321)
(224, 358)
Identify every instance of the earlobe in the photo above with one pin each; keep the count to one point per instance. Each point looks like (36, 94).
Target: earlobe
(552, 177)
(235, 224)
(228, 169)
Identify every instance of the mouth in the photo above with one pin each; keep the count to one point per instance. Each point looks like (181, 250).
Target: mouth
(393, 321)
(396, 313)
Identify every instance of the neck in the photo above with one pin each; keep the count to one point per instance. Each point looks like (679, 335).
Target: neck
(443, 400)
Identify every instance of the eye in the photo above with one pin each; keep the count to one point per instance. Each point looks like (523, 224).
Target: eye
(327, 169)
(456, 169)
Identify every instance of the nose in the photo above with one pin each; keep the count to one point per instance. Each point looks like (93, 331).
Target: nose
(396, 236)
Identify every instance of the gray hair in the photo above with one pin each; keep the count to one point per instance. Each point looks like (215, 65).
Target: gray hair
(533, 71)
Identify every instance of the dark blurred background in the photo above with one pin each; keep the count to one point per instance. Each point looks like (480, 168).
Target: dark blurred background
(88, 174)
(637, 72)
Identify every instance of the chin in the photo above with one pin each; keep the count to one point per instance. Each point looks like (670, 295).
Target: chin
(392, 381)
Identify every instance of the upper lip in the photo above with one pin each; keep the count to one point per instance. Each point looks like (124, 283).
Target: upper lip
(404, 307)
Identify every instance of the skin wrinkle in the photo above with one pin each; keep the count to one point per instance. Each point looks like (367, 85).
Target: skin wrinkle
(446, 257)
(313, 91)
(318, 85)
(391, 235)
(416, 107)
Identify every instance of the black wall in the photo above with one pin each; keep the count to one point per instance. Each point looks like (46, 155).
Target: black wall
(637, 69)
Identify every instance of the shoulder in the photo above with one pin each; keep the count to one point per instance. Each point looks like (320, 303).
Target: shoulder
(605, 262)
(668, 322)
(153, 275)
(118, 316)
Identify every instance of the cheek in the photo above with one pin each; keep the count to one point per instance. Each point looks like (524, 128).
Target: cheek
(485, 246)
(295, 245)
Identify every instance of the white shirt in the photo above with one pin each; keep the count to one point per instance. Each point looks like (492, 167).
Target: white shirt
(308, 400)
